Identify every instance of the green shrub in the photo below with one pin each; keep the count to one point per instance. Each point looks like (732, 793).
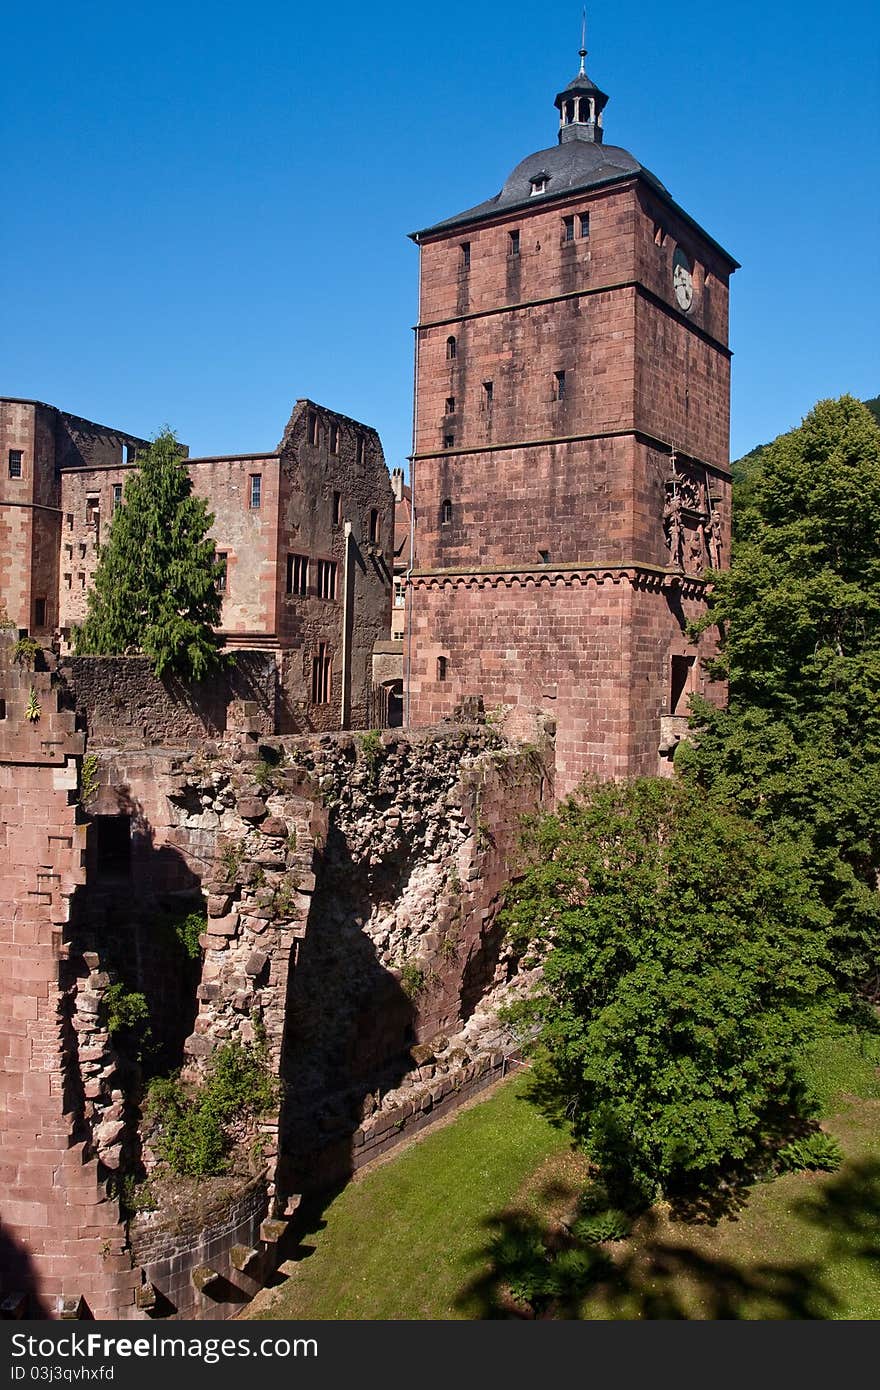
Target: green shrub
(184, 932)
(194, 1138)
(24, 652)
(610, 1224)
(817, 1151)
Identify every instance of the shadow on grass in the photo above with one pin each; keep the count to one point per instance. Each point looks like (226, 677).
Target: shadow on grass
(529, 1269)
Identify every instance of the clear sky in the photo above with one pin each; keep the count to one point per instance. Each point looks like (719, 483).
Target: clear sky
(206, 205)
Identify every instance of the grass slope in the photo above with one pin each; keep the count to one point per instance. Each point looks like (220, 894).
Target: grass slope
(414, 1238)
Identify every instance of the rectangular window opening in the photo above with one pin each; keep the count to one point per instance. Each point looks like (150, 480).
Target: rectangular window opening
(117, 496)
(322, 675)
(39, 612)
(334, 437)
(256, 492)
(679, 684)
(559, 386)
(448, 441)
(16, 457)
(113, 846)
(222, 558)
(2, 709)
(374, 526)
(313, 427)
(337, 508)
(488, 392)
(450, 405)
(442, 668)
(568, 229)
(360, 450)
(465, 255)
(513, 243)
(298, 575)
(325, 584)
(585, 224)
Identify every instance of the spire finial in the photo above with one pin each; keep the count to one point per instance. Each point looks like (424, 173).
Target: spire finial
(583, 47)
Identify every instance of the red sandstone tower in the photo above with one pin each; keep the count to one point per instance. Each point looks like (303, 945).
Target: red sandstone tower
(570, 472)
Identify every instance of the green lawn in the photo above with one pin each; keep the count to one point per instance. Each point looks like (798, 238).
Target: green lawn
(414, 1237)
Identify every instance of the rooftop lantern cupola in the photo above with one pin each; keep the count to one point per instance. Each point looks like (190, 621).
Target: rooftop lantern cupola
(580, 107)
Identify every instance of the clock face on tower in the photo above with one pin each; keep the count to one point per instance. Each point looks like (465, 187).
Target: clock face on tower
(682, 280)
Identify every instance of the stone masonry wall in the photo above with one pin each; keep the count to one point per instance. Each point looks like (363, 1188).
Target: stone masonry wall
(124, 703)
(61, 1235)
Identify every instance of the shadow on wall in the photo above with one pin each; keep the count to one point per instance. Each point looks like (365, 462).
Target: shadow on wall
(130, 912)
(348, 1029)
(18, 1277)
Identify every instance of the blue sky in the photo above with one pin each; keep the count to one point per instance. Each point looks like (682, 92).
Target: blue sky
(206, 205)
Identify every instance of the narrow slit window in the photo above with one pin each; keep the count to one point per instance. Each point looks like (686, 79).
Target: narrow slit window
(465, 255)
(374, 526)
(313, 427)
(2, 709)
(221, 559)
(322, 664)
(256, 490)
(488, 393)
(585, 224)
(39, 612)
(326, 579)
(568, 229)
(446, 511)
(451, 348)
(559, 386)
(450, 405)
(298, 575)
(337, 508)
(334, 437)
(442, 668)
(359, 450)
(16, 457)
(513, 243)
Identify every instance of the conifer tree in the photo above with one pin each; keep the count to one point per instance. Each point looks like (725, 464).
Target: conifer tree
(155, 587)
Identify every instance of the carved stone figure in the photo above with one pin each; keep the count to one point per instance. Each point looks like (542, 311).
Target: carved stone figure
(672, 525)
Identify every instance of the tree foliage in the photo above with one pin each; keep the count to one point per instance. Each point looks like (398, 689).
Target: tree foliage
(684, 970)
(798, 748)
(156, 588)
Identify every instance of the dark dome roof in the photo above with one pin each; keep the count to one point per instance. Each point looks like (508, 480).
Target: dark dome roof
(570, 167)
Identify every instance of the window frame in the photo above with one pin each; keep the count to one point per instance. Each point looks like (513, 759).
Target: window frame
(255, 491)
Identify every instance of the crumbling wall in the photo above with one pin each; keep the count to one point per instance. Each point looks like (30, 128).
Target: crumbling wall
(61, 1236)
(122, 702)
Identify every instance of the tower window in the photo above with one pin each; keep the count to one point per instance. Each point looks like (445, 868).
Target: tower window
(569, 112)
(374, 527)
(336, 511)
(448, 441)
(2, 709)
(334, 437)
(313, 427)
(680, 674)
(659, 234)
(117, 496)
(360, 450)
(446, 511)
(321, 675)
(559, 386)
(488, 393)
(221, 559)
(15, 462)
(465, 255)
(442, 668)
(113, 846)
(450, 405)
(513, 243)
(256, 481)
(298, 575)
(568, 229)
(326, 579)
(585, 224)
(451, 348)
(39, 612)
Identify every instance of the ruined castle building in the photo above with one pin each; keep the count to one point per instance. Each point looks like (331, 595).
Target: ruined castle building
(305, 535)
(570, 476)
(37, 441)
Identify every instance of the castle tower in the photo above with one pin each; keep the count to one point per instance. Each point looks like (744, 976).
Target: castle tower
(570, 472)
